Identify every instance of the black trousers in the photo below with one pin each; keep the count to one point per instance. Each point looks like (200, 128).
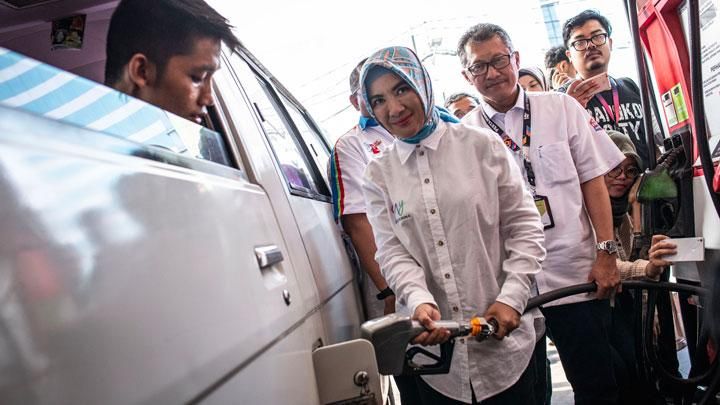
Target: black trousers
(581, 332)
(543, 380)
(522, 392)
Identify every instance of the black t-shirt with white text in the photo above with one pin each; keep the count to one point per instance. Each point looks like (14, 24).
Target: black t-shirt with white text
(631, 114)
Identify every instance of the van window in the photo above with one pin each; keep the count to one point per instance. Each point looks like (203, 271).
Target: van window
(292, 154)
(318, 148)
(45, 90)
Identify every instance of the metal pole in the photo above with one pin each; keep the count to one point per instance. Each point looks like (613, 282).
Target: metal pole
(698, 102)
(631, 9)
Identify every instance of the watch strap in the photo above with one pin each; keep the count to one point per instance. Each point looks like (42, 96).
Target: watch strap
(385, 293)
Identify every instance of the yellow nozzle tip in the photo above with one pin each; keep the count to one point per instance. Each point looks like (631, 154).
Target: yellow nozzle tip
(476, 325)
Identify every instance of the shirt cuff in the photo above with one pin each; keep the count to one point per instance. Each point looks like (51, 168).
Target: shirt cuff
(514, 294)
(416, 298)
(601, 170)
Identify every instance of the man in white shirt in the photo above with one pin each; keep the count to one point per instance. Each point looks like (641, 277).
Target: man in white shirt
(563, 155)
(352, 152)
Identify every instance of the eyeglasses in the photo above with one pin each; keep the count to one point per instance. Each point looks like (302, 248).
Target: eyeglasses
(597, 40)
(631, 172)
(498, 62)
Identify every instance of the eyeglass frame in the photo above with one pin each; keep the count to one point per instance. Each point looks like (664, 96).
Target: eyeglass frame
(624, 170)
(487, 65)
(590, 40)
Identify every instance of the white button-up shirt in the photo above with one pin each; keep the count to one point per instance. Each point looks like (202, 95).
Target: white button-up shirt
(456, 227)
(567, 148)
(351, 155)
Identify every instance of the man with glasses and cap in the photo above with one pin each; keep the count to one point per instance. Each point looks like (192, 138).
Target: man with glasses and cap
(587, 36)
(563, 155)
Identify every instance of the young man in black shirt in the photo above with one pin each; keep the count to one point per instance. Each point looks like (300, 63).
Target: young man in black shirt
(587, 36)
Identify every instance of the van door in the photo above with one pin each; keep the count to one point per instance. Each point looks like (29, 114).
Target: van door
(301, 156)
(131, 273)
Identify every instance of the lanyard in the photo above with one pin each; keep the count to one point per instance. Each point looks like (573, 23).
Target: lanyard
(616, 102)
(524, 152)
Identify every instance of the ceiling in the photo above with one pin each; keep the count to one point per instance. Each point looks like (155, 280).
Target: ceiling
(11, 19)
(28, 32)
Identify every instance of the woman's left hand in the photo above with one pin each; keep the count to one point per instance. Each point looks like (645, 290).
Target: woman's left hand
(659, 248)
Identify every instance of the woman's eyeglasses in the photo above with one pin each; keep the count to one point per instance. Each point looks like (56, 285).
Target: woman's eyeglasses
(498, 62)
(631, 172)
(597, 40)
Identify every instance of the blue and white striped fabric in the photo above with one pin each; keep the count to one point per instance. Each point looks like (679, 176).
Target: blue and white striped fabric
(36, 87)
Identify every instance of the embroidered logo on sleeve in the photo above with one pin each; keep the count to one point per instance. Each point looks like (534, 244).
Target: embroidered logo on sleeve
(398, 210)
(595, 125)
(375, 147)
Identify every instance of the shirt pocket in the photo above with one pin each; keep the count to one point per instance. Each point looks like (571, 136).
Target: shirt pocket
(557, 165)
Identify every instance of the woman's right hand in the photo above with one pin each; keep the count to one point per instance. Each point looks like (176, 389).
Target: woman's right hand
(659, 248)
(426, 314)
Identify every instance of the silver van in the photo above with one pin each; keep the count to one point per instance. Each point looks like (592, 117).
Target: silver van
(145, 259)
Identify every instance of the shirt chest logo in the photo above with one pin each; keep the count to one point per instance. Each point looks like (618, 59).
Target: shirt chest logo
(374, 147)
(398, 210)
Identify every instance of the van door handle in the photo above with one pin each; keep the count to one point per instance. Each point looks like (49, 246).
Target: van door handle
(268, 255)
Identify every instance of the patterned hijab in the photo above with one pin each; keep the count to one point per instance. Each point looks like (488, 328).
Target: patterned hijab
(404, 63)
(537, 74)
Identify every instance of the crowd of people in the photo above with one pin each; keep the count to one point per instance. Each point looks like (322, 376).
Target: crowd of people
(474, 208)
(469, 209)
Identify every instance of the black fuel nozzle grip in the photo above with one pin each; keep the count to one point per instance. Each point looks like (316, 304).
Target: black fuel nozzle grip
(391, 334)
(489, 328)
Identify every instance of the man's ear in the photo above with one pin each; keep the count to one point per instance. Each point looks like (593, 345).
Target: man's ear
(354, 101)
(140, 71)
(610, 43)
(517, 59)
(467, 77)
(569, 54)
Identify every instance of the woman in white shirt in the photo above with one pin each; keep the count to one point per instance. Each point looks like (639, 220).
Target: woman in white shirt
(457, 231)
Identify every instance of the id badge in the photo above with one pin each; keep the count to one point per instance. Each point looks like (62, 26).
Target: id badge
(543, 207)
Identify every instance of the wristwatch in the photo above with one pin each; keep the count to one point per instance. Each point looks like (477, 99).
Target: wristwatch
(609, 246)
(385, 293)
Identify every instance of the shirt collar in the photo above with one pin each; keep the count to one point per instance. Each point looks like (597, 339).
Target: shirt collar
(366, 122)
(519, 104)
(404, 149)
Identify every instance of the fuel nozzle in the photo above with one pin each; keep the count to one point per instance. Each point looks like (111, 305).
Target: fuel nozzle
(481, 328)
(391, 334)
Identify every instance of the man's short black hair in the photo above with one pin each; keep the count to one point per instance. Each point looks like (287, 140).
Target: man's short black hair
(160, 29)
(355, 77)
(479, 33)
(580, 20)
(555, 55)
(459, 96)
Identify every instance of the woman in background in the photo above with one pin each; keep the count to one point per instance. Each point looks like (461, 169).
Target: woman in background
(532, 79)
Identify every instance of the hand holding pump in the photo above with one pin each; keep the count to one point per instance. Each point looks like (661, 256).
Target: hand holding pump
(391, 334)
